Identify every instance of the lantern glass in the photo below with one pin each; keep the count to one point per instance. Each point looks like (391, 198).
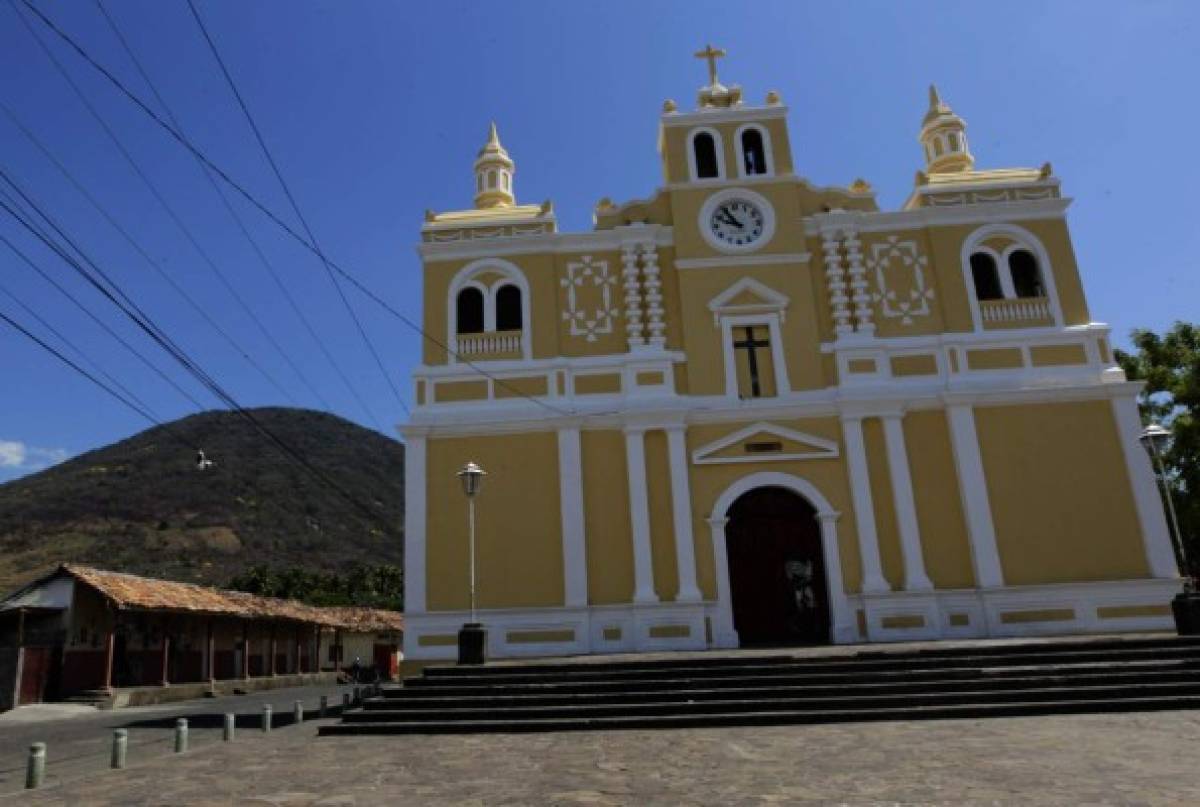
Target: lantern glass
(1154, 439)
(471, 477)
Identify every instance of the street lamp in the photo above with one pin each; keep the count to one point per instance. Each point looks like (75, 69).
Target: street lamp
(471, 637)
(1154, 439)
(1186, 605)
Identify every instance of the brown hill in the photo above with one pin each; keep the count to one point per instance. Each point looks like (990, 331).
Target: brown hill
(141, 505)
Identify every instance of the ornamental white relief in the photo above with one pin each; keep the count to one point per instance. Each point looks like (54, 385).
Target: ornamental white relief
(589, 310)
(900, 287)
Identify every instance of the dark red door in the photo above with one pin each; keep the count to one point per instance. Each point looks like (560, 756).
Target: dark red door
(35, 672)
(776, 569)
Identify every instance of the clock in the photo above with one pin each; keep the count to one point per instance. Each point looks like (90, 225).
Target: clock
(737, 220)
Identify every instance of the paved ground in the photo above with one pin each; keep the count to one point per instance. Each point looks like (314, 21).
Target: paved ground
(79, 738)
(1095, 759)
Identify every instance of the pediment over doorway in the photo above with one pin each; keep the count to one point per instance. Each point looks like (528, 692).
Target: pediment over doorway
(765, 442)
(748, 296)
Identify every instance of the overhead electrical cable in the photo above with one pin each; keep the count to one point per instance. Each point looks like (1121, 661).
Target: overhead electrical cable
(237, 218)
(212, 46)
(58, 355)
(143, 321)
(270, 214)
(74, 348)
(91, 315)
(183, 228)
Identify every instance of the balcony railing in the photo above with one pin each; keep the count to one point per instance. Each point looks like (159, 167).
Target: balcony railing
(493, 344)
(1017, 313)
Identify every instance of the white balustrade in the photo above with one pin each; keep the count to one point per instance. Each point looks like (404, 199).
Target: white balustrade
(493, 343)
(1021, 309)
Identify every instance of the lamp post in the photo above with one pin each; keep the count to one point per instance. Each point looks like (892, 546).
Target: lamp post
(471, 637)
(1186, 606)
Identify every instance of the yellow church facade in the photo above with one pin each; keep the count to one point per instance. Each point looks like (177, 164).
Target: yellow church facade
(748, 410)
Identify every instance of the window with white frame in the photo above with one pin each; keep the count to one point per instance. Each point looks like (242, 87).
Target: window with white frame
(754, 151)
(706, 159)
(488, 311)
(1010, 279)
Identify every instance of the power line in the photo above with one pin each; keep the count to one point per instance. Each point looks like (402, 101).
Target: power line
(212, 46)
(283, 289)
(88, 312)
(266, 211)
(130, 394)
(206, 259)
(143, 321)
(49, 349)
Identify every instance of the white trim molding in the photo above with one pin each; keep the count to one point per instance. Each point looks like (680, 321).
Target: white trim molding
(574, 545)
(740, 150)
(775, 335)
(842, 623)
(681, 514)
(864, 505)
(915, 577)
(820, 447)
(639, 515)
(414, 523)
(972, 487)
(464, 278)
(1023, 240)
(770, 301)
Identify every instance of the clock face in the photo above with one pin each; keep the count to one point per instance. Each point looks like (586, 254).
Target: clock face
(737, 222)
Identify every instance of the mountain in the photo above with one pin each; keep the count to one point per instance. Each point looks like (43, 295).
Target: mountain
(142, 506)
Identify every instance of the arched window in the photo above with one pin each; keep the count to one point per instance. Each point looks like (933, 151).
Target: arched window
(938, 148)
(1026, 277)
(754, 156)
(954, 142)
(508, 309)
(470, 310)
(986, 277)
(479, 182)
(705, 149)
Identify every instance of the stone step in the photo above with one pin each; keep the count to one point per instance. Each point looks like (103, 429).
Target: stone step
(766, 718)
(718, 659)
(848, 667)
(409, 690)
(701, 690)
(775, 703)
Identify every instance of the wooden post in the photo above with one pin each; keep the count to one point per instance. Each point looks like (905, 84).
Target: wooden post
(166, 650)
(317, 655)
(273, 651)
(110, 646)
(245, 649)
(298, 667)
(16, 699)
(211, 665)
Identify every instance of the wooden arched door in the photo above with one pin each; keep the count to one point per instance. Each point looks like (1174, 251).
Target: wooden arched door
(776, 569)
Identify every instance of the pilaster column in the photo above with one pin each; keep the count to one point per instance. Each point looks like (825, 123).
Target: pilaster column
(414, 524)
(972, 486)
(843, 627)
(1160, 555)
(858, 285)
(835, 281)
(654, 310)
(864, 506)
(915, 578)
(570, 496)
(633, 295)
(681, 514)
(639, 516)
(724, 634)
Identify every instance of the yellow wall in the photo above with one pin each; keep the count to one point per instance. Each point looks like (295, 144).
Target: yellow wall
(518, 531)
(606, 518)
(1059, 492)
(946, 548)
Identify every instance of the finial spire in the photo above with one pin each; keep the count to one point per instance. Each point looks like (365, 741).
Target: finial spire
(944, 138)
(494, 171)
(711, 54)
(935, 100)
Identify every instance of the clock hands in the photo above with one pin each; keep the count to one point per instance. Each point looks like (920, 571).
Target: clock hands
(728, 216)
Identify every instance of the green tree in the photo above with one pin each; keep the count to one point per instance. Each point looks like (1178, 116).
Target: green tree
(1170, 366)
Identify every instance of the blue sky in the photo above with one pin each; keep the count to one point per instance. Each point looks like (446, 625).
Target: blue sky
(374, 111)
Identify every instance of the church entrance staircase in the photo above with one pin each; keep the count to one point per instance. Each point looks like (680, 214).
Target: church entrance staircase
(999, 679)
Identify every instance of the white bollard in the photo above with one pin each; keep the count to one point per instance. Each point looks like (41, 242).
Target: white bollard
(230, 726)
(35, 771)
(120, 744)
(297, 712)
(266, 721)
(181, 735)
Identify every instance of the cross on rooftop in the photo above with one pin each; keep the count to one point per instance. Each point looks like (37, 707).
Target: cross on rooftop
(711, 54)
